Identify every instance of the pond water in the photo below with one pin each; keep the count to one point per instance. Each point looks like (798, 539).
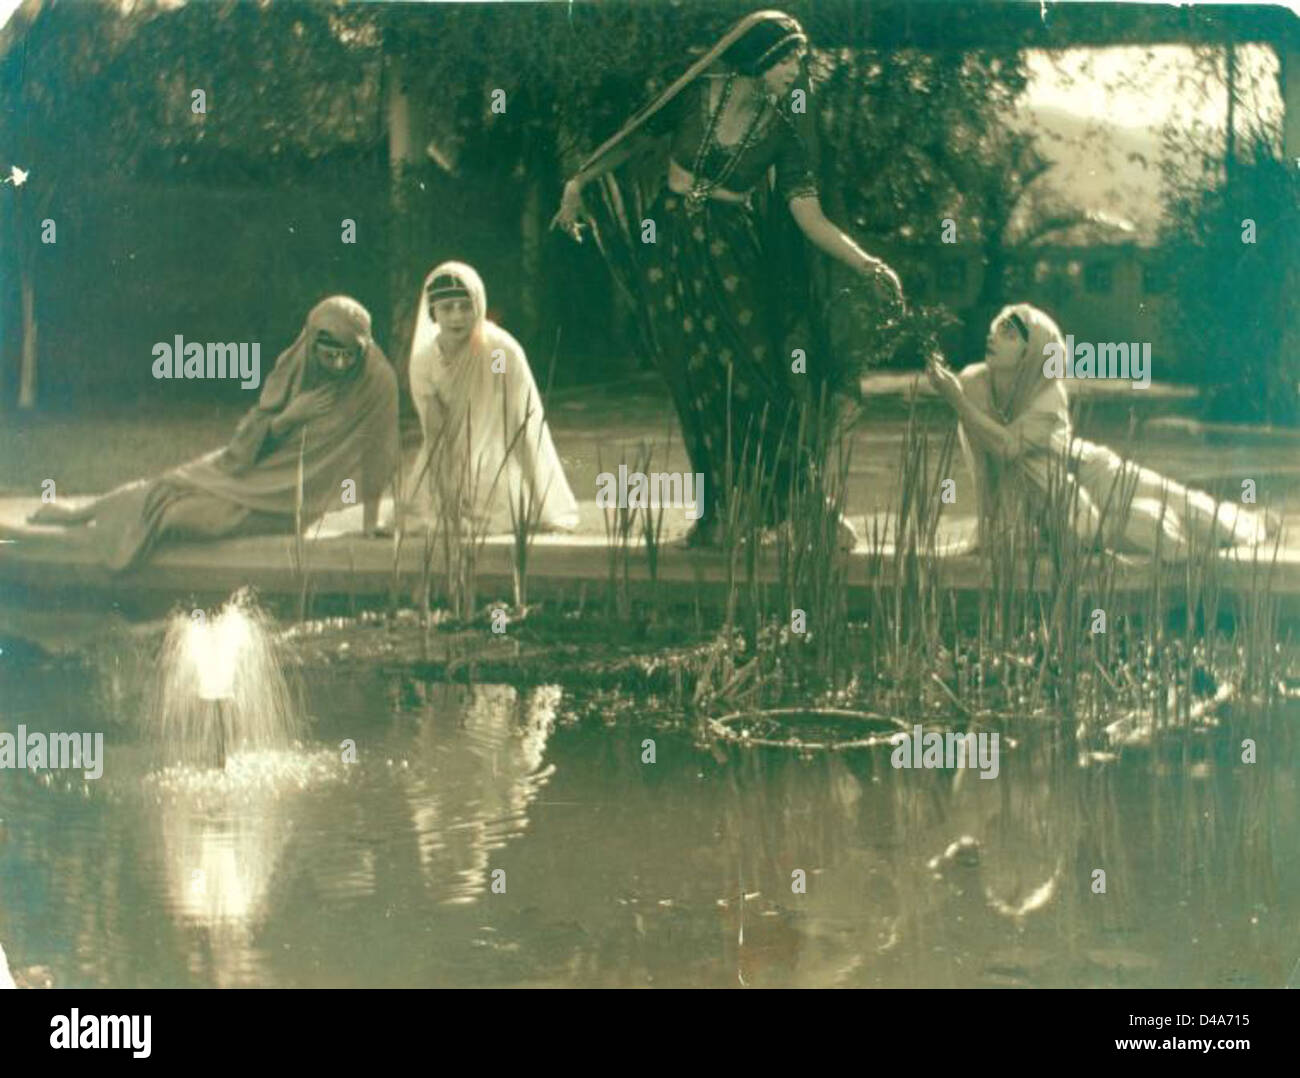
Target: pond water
(294, 868)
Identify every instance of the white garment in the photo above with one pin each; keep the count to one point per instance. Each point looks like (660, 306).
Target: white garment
(489, 451)
(1108, 497)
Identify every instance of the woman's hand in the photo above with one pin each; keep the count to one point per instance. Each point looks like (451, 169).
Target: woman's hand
(304, 408)
(943, 378)
(572, 215)
(876, 270)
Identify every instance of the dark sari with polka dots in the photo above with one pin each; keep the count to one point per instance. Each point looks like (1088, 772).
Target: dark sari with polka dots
(719, 292)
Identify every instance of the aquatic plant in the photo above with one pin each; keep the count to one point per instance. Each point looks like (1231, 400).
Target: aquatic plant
(1060, 630)
(1063, 628)
(620, 524)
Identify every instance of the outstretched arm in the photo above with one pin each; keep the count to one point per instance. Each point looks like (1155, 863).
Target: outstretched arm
(986, 432)
(379, 463)
(823, 234)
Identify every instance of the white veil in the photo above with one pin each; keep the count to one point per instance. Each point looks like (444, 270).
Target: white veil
(485, 439)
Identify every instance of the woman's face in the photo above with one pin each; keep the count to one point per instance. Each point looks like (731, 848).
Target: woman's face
(780, 77)
(455, 317)
(1004, 350)
(334, 355)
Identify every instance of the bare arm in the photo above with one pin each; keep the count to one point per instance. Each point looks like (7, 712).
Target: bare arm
(984, 432)
(987, 433)
(370, 515)
(572, 213)
(823, 234)
(629, 148)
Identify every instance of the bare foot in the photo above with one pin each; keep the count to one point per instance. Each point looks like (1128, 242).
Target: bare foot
(60, 514)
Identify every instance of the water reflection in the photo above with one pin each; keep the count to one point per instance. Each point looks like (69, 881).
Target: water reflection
(940, 879)
(218, 838)
(476, 764)
(303, 870)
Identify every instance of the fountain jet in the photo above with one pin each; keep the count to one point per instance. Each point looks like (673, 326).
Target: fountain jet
(220, 687)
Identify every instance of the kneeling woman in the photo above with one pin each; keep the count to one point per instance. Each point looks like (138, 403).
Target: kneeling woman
(1016, 437)
(327, 414)
(487, 454)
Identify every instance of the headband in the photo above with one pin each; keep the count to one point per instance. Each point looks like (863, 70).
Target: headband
(793, 35)
(1019, 323)
(448, 286)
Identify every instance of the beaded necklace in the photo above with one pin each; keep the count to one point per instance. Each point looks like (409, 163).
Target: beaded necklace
(701, 186)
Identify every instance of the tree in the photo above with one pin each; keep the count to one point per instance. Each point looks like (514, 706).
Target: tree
(1234, 266)
(102, 92)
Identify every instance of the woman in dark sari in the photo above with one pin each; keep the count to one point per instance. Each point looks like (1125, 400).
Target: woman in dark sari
(717, 289)
(327, 413)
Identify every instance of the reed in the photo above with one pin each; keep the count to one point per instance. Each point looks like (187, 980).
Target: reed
(1024, 649)
(525, 507)
(454, 483)
(1028, 650)
(620, 525)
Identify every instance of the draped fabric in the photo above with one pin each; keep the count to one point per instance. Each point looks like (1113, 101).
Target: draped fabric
(780, 165)
(719, 343)
(486, 443)
(726, 290)
(1104, 497)
(263, 483)
(356, 439)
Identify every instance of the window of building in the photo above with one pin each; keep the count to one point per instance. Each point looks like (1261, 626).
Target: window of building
(1016, 278)
(1099, 278)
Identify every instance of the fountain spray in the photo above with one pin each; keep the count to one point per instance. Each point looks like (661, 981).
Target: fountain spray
(221, 687)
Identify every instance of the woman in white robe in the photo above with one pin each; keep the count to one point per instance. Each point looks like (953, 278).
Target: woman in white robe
(487, 455)
(1023, 456)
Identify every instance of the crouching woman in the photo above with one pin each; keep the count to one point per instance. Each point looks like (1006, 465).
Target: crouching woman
(487, 463)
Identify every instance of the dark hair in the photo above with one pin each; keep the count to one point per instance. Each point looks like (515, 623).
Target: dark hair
(447, 286)
(765, 44)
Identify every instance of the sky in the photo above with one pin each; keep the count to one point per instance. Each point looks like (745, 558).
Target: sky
(1145, 84)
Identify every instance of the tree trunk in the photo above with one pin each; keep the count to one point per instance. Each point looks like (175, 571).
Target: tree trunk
(401, 241)
(27, 368)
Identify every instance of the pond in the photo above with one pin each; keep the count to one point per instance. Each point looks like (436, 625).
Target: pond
(487, 835)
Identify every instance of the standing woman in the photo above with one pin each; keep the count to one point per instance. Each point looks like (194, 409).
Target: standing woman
(717, 291)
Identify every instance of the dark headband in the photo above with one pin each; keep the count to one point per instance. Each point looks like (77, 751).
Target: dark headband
(795, 37)
(764, 44)
(1019, 323)
(448, 286)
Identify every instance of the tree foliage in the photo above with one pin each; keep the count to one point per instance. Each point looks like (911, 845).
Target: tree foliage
(1233, 311)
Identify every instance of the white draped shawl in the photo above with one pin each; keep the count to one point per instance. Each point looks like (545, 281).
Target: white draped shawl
(487, 451)
(1106, 497)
